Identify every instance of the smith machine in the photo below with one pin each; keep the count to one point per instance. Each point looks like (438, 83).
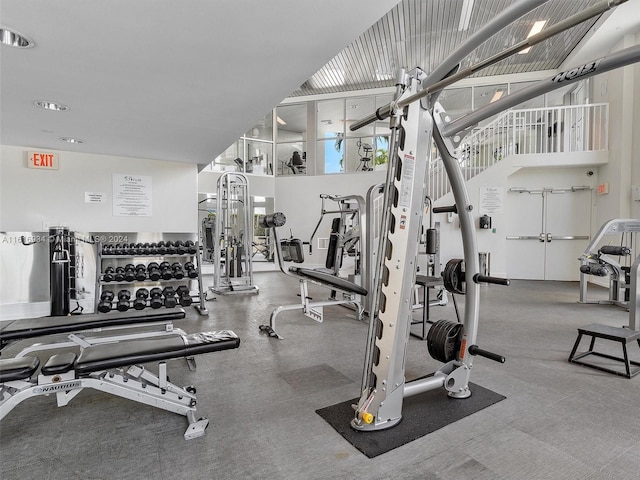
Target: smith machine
(415, 120)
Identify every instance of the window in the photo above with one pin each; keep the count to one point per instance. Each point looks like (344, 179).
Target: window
(291, 148)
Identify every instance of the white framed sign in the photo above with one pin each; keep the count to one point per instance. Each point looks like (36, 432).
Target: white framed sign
(132, 195)
(491, 200)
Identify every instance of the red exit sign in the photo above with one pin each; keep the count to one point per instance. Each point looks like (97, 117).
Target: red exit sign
(42, 160)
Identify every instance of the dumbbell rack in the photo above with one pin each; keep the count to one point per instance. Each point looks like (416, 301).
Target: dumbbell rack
(118, 260)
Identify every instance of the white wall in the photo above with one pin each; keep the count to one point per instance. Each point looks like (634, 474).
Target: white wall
(510, 172)
(621, 89)
(32, 199)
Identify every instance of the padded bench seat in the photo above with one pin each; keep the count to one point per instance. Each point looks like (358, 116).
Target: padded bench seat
(131, 352)
(39, 327)
(18, 368)
(330, 280)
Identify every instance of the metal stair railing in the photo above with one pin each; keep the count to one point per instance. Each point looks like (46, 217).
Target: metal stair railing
(564, 129)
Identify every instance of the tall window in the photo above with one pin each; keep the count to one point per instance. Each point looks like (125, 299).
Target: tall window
(338, 149)
(291, 144)
(252, 153)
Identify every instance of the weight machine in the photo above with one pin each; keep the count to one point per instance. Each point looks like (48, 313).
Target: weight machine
(347, 239)
(598, 260)
(232, 236)
(416, 118)
(343, 291)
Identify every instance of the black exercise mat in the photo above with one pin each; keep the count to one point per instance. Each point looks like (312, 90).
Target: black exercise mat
(421, 414)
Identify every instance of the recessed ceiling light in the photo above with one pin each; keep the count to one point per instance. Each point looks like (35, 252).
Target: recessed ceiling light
(57, 107)
(14, 39)
(71, 140)
(497, 96)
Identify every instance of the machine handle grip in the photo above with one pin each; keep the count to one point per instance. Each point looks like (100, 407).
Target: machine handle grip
(445, 209)
(475, 350)
(486, 279)
(615, 250)
(381, 113)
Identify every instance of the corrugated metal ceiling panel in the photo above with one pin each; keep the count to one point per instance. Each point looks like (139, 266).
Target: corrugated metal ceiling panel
(423, 32)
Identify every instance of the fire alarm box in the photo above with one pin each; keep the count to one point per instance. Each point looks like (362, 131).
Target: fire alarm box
(485, 222)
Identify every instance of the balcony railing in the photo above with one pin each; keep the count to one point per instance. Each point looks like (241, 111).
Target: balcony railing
(565, 129)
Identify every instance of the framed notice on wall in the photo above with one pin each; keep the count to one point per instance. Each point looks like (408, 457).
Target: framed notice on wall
(491, 200)
(132, 195)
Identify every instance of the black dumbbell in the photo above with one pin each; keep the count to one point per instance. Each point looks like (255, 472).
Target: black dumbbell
(190, 246)
(129, 272)
(178, 271)
(141, 299)
(119, 275)
(104, 305)
(156, 298)
(165, 270)
(153, 249)
(154, 271)
(190, 268)
(107, 276)
(117, 249)
(141, 272)
(184, 296)
(180, 249)
(146, 248)
(123, 300)
(169, 297)
(108, 250)
(171, 248)
(162, 248)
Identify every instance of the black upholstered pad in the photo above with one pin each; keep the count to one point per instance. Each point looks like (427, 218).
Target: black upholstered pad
(37, 327)
(329, 280)
(60, 363)
(131, 352)
(17, 368)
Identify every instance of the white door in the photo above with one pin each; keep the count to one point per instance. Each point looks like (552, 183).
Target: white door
(567, 229)
(547, 231)
(525, 222)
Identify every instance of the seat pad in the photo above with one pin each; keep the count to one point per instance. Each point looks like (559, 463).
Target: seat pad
(18, 368)
(131, 352)
(37, 327)
(329, 280)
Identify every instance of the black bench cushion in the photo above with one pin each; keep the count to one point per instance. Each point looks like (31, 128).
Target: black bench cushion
(37, 327)
(60, 363)
(131, 352)
(18, 368)
(329, 280)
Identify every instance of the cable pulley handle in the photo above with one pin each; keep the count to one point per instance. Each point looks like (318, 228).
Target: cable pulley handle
(475, 350)
(495, 280)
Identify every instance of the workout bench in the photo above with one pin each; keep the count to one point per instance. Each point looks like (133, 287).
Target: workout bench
(112, 368)
(76, 327)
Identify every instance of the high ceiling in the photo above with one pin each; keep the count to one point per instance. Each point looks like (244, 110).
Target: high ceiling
(181, 81)
(163, 79)
(422, 33)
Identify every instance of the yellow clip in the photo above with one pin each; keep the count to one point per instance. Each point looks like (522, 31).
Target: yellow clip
(367, 418)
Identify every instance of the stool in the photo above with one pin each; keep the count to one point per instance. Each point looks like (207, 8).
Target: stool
(617, 334)
(426, 282)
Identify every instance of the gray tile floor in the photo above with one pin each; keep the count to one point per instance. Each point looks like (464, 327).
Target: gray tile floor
(559, 420)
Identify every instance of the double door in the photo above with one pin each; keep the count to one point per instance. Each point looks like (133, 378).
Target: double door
(547, 230)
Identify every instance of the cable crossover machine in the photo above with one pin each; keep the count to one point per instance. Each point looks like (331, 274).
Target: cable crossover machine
(416, 120)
